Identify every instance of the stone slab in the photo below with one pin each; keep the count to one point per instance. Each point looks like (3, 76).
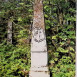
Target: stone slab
(39, 59)
(38, 74)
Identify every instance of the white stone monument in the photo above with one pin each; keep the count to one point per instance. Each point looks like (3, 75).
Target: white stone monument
(39, 55)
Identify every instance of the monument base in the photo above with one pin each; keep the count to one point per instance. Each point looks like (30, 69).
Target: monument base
(39, 72)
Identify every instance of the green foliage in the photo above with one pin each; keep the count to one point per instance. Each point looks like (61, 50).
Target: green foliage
(14, 61)
(63, 70)
(60, 30)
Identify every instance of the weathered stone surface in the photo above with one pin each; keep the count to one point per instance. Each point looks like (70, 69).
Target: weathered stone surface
(39, 74)
(38, 20)
(39, 59)
(41, 69)
(38, 40)
(39, 55)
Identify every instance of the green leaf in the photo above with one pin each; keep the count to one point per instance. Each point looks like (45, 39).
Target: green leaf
(30, 10)
(47, 27)
(21, 3)
(46, 15)
(60, 49)
(71, 48)
(54, 37)
(19, 19)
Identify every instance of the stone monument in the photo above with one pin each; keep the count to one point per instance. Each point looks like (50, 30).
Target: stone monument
(39, 55)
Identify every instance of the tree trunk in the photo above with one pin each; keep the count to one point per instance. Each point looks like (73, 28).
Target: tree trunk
(39, 55)
(5, 0)
(9, 34)
(9, 31)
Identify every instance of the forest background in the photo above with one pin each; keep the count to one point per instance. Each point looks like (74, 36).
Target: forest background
(60, 23)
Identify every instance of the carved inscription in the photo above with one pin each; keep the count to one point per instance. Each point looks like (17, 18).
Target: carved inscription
(38, 43)
(38, 35)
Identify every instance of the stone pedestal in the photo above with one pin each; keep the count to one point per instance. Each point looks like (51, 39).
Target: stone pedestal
(39, 58)
(39, 72)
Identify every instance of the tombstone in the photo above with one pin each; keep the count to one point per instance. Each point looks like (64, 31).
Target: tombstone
(39, 54)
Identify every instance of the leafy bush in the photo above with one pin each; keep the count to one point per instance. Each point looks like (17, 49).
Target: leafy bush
(14, 61)
(60, 30)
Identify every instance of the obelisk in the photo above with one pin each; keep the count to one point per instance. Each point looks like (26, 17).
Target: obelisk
(39, 55)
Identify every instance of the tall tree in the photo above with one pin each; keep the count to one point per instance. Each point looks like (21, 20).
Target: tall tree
(9, 34)
(9, 26)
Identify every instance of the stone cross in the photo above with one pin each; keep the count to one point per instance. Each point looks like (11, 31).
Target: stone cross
(39, 55)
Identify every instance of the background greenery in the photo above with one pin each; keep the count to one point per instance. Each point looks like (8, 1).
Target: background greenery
(60, 24)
